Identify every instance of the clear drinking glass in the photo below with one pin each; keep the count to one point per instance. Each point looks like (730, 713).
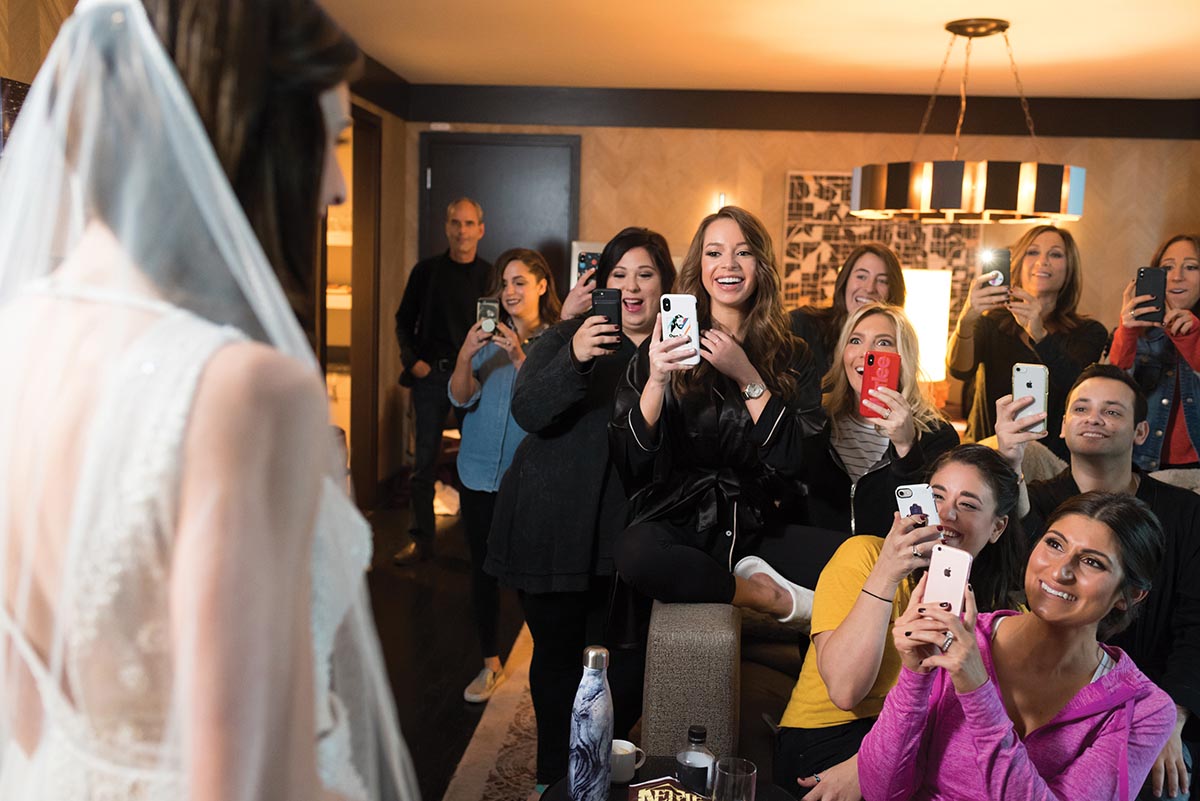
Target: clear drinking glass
(735, 780)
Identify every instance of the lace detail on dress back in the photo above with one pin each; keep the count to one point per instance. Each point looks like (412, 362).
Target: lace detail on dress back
(105, 688)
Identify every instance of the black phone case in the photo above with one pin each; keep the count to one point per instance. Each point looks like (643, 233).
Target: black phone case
(607, 302)
(1152, 281)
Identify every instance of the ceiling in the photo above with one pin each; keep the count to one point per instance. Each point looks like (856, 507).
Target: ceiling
(1064, 48)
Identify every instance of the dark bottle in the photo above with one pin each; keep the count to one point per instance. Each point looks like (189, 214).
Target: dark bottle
(694, 765)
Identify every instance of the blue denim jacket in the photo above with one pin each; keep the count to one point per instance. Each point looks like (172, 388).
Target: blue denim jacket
(1156, 366)
(490, 435)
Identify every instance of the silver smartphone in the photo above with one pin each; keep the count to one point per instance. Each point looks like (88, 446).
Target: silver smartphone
(949, 570)
(1031, 381)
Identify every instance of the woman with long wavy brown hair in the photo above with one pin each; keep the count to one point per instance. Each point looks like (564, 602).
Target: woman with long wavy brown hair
(711, 453)
(1036, 321)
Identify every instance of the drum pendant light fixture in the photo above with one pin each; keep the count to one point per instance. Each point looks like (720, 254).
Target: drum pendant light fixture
(970, 191)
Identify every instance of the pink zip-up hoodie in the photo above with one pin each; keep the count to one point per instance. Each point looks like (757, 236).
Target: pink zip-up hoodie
(931, 743)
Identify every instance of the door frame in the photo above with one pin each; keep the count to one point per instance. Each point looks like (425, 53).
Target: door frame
(364, 312)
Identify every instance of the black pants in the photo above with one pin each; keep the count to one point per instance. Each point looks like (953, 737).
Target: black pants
(562, 625)
(655, 558)
(477, 510)
(802, 752)
(431, 405)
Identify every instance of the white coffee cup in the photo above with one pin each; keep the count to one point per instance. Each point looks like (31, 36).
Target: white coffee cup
(626, 758)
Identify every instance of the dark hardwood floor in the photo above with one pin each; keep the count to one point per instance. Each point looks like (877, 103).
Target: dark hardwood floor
(428, 636)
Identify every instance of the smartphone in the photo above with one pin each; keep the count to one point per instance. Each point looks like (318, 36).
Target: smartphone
(917, 499)
(487, 312)
(880, 369)
(679, 320)
(999, 263)
(607, 302)
(949, 569)
(1152, 281)
(1031, 380)
(587, 261)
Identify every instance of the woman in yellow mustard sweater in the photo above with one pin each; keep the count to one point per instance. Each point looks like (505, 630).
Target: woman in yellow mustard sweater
(862, 590)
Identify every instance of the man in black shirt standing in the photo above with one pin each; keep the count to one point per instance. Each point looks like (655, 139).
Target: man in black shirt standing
(1105, 417)
(437, 310)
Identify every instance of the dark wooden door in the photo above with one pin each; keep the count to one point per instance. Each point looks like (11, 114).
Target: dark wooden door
(528, 187)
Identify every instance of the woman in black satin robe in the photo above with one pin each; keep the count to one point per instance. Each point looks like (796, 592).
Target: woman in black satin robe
(711, 453)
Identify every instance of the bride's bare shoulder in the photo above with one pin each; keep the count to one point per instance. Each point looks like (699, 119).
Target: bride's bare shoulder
(251, 383)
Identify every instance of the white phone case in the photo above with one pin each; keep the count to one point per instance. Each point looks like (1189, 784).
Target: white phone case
(679, 320)
(949, 570)
(1031, 380)
(917, 499)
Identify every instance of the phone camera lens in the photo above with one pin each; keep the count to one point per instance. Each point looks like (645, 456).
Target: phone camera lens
(666, 304)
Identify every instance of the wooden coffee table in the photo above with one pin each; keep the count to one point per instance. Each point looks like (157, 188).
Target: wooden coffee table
(654, 767)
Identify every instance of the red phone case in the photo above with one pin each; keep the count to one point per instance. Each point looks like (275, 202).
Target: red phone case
(880, 369)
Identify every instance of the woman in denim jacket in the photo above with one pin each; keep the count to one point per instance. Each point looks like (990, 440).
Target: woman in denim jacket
(1164, 357)
(482, 385)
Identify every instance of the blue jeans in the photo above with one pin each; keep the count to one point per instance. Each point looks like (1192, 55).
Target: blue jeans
(1147, 793)
(431, 404)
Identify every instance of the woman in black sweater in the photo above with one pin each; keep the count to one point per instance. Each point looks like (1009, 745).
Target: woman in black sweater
(870, 274)
(852, 474)
(1035, 322)
(561, 503)
(712, 451)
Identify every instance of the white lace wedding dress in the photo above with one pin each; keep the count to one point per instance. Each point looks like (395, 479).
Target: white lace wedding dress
(97, 705)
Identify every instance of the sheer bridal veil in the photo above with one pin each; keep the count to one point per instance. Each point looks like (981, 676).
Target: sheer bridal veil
(126, 262)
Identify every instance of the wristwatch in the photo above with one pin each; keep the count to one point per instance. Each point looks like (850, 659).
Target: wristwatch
(753, 390)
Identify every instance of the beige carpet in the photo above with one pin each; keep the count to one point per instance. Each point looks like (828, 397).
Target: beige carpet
(499, 762)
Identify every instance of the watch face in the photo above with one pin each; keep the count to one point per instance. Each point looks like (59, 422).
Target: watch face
(753, 391)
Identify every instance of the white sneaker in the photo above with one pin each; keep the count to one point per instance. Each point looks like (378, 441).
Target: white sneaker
(483, 686)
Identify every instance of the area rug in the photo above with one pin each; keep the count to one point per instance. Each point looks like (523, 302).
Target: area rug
(499, 763)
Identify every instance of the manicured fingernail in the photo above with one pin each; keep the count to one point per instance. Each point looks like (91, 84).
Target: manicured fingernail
(921, 609)
(969, 587)
(939, 528)
(944, 605)
(908, 634)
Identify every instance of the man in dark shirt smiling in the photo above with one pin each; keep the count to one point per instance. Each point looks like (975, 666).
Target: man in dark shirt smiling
(1105, 417)
(437, 310)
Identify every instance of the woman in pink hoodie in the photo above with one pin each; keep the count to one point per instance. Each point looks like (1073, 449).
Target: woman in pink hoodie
(1030, 706)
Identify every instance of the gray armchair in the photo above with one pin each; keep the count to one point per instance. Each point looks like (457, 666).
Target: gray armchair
(729, 670)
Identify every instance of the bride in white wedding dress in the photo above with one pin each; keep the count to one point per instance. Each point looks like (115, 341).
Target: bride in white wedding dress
(182, 606)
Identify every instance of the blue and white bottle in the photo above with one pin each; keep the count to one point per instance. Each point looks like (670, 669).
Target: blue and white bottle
(591, 730)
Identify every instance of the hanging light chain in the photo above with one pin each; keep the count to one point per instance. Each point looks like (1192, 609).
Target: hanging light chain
(1012, 60)
(962, 98)
(933, 97)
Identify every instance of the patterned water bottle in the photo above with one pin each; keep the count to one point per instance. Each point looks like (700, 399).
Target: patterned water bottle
(591, 730)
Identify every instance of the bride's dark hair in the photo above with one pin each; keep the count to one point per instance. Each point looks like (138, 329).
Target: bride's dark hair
(255, 70)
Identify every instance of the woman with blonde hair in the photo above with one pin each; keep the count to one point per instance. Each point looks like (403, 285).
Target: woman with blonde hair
(852, 477)
(710, 453)
(1034, 322)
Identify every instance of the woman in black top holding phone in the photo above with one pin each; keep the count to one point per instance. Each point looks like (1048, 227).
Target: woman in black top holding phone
(710, 452)
(561, 503)
(1035, 322)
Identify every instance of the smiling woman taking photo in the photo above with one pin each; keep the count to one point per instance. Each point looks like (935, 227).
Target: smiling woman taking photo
(1034, 323)
(709, 452)
(1165, 357)
(870, 274)
(1031, 706)
(482, 385)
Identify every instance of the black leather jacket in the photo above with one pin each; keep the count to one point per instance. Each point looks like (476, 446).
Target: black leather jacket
(709, 467)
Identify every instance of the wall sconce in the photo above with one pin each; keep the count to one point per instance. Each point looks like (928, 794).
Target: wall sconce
(927, 304)
(720, 201)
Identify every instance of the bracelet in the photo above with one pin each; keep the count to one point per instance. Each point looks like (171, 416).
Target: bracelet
(880, 597)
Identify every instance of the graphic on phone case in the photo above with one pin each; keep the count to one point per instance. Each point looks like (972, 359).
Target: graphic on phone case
(678, 326)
